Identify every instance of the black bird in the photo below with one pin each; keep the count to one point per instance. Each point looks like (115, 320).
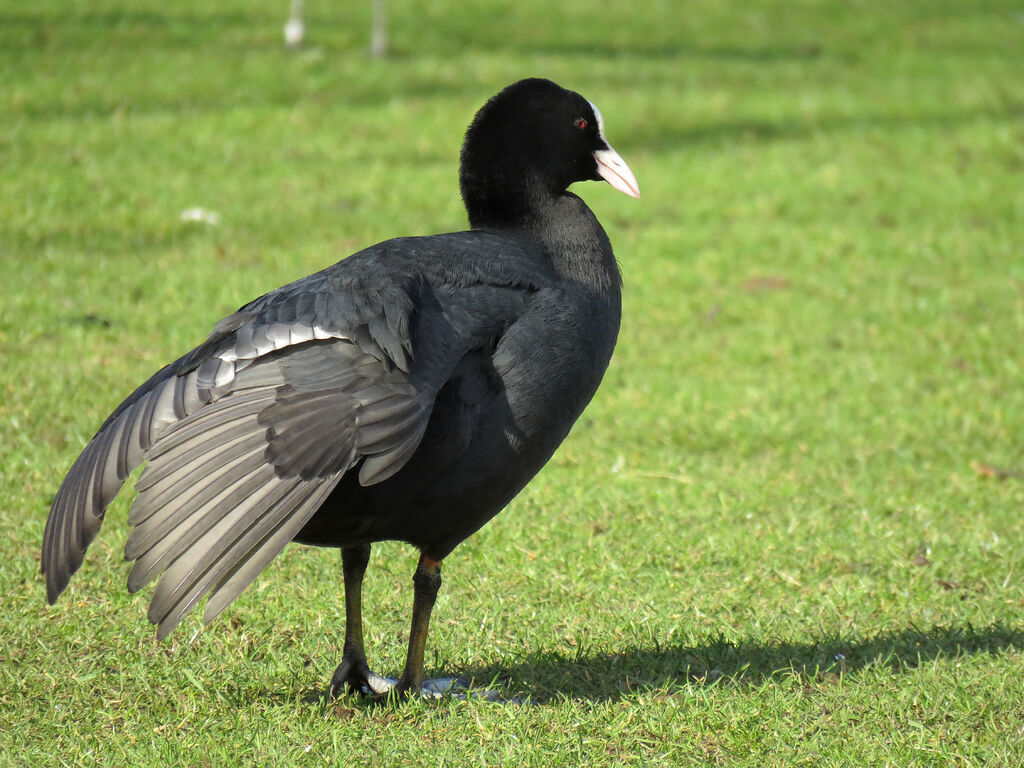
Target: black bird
(406, 393)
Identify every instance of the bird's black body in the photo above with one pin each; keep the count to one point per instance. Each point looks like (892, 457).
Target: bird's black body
(407, 392)
(494, 421)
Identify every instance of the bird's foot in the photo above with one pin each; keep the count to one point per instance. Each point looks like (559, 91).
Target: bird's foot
(456, 688)
(439, 688)
(355, 675)
(348, 675)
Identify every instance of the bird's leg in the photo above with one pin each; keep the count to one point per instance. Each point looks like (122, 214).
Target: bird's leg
(426, 582)
(353, 670)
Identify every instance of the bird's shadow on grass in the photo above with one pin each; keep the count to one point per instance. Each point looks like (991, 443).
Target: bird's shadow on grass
(546, 677)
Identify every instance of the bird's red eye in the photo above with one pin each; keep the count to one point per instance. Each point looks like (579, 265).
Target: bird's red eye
(580, 123)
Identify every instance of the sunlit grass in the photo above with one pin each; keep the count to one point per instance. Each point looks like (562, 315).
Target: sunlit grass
(789, 528)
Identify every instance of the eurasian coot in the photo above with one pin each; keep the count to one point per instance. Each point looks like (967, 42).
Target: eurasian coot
(408, 392)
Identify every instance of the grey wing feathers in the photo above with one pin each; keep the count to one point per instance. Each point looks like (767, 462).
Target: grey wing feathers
(239, 455)
(377, 414)
(224, 490)
(99, 472)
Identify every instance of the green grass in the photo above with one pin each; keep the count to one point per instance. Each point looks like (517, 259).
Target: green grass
(788, 530)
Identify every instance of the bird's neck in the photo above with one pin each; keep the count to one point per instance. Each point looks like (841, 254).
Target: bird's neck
(560, 222)
(504, 198)
(577, 244)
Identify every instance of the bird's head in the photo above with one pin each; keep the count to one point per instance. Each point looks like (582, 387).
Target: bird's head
(535, 137)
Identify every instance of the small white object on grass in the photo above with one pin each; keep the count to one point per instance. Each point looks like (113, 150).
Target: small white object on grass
(201, 215)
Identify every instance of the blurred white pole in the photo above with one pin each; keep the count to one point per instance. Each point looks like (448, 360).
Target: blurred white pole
(379, 35)
(294, 30)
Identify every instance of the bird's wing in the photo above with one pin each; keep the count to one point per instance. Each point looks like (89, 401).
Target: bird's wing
(225, 488)
(244, 437)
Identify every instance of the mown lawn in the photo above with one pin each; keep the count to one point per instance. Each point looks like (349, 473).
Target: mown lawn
(788, 530)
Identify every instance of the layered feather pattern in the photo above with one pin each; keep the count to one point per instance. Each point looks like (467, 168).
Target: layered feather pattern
(243, 439)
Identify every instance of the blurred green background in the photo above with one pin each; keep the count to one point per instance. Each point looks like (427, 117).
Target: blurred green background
(787, 531)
